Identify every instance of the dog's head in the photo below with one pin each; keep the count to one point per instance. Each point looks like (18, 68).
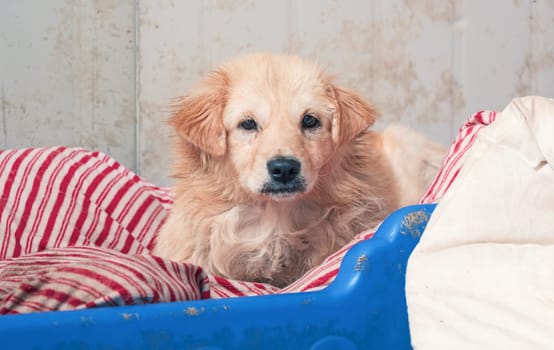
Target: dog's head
(277, 119)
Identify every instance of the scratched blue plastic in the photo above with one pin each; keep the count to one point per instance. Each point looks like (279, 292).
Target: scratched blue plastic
(364, 308)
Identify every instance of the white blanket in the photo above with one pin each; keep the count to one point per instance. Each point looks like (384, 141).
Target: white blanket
(482, 276)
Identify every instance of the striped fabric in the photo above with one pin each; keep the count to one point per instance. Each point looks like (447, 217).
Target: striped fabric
(76, 229)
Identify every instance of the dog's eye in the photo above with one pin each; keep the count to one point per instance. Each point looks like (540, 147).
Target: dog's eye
(248, 124)
(310, 122)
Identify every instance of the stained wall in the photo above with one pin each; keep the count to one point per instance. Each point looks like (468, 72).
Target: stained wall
(102, 74)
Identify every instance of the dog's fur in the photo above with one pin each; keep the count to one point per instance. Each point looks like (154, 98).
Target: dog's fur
(224, 217)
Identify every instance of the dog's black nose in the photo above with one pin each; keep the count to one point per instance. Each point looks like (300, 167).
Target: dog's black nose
(283, 169)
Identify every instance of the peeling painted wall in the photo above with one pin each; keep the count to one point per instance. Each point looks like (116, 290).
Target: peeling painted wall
(71, 71)
(67, 75)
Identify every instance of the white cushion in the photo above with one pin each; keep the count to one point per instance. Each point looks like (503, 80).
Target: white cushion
(482, 276)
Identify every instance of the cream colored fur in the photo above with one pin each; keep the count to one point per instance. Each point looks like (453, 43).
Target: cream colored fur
(354, 176)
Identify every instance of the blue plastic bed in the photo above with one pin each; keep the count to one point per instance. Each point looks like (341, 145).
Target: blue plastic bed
(364, 308)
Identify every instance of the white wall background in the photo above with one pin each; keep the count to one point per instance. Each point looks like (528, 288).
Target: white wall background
(101, 73)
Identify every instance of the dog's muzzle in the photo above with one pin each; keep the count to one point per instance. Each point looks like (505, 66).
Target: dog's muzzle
(285, 177)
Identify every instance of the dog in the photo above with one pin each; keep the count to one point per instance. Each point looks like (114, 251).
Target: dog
(276, 167)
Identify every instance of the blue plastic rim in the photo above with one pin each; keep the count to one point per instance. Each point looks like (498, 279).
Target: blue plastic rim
(363, 308)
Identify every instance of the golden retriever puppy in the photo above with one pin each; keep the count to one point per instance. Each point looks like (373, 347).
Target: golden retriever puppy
(276, 168)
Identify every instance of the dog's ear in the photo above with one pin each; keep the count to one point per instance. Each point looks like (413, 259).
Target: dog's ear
(199, 115)
(353, 115)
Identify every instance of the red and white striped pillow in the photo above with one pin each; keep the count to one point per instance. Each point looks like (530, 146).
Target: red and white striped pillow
(76, 229)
